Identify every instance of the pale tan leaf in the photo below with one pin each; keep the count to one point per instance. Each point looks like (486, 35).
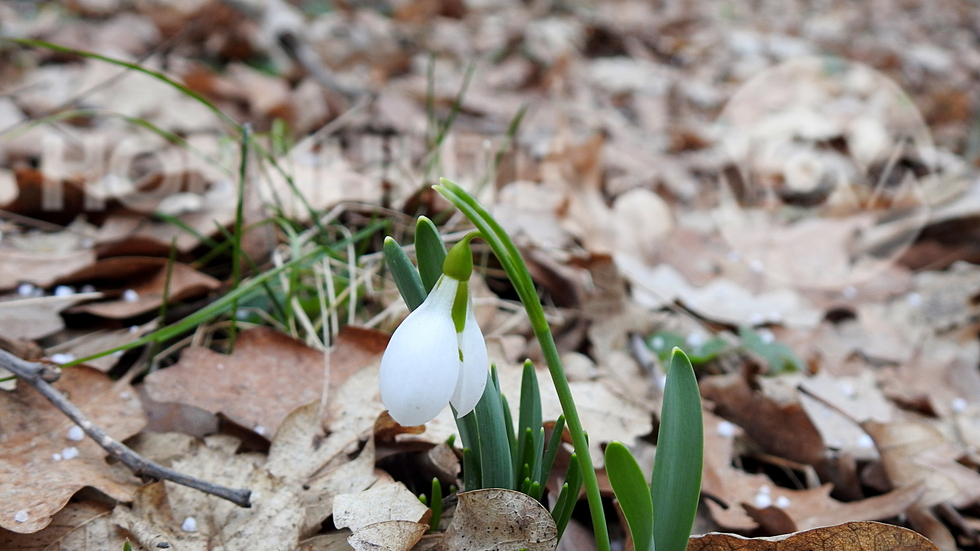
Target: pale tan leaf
(852, 536)
(389, 535)
(378, 504)
(501, 520)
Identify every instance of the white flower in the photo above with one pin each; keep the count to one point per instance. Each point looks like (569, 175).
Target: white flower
(428, 363)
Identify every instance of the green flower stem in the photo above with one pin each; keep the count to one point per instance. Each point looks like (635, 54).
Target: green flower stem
(513, 263)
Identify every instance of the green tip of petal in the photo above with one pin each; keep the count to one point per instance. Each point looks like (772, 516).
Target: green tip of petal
(459, 260)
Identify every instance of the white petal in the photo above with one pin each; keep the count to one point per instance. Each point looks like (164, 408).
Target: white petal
(476, 363)
(420, 367)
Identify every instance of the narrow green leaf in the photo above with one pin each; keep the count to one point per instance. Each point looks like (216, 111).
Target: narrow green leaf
(436, 505)
(630, 487)
(536, 490)
(529, 421)
(471, 471)
(781, 358)
(405, 275)
(553, 443)
(430, 252)
(509, 426)
(676, 483)
(495, 461)
(569, 495)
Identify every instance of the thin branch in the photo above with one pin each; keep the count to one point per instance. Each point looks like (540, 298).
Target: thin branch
(40, 376)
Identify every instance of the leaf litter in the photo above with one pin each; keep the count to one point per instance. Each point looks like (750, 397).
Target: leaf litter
(614, 187)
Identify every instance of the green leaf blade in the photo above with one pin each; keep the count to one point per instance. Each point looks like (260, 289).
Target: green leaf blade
(676, 484)
(404, 273)
(430, 252)
(630, 487)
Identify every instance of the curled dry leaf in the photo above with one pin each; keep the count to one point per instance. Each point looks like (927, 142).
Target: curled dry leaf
(500, 520)
(852, 536)
(37, 473)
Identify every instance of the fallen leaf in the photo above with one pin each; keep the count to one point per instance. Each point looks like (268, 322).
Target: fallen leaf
(40, 268)
(34, 318)
(160, 511)
(501, 520)
(80, 525)
(746, 500)
(852, 536)
(914, 452)
(147, 278)
(268, 375)
(34, 484)
(378, 504)
(390, 535)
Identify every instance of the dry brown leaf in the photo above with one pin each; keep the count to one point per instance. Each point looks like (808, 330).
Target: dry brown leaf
(914, 452)
(40, 268)
(852, 536)
(34, 318)
(390, 535)
(82, 525)
(35, 486)
(147, 276)
(380, 503)
(501, 520)
(160, 511)
(303, 455)
(751, 500)
(268, 375)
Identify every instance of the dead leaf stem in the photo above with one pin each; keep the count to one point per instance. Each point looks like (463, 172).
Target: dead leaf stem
(40, 376)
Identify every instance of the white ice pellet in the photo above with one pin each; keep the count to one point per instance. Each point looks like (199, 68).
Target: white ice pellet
(913, 299)
(726, 429)
(260, 430)
(117, 354)
(76, 434)
(88, 288)
(766, 336)
(241, 314)
(69, 453)
(130, 295)
(847, 389)
(62, 358)
(64, 291)
(958, 405)
(189, 525)
(757, 266)
(657, 343)
(762, 501)
(125, 395)
(782, 502)
(26, 289)
(865, 441)
(756, 318)
(765, 489)
(56, 456)
(20, 516)
(849, 292)
(694, 339)
(134, 328)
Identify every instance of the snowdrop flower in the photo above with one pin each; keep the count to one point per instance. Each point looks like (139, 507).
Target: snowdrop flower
(437, 355)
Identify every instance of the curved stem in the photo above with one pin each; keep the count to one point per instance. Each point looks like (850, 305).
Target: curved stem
(513, 263)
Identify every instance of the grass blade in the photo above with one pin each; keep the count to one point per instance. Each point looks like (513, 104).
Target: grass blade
(676, 483)
(630, 487)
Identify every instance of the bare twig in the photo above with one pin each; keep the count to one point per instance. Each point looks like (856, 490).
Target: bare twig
(40, 376)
